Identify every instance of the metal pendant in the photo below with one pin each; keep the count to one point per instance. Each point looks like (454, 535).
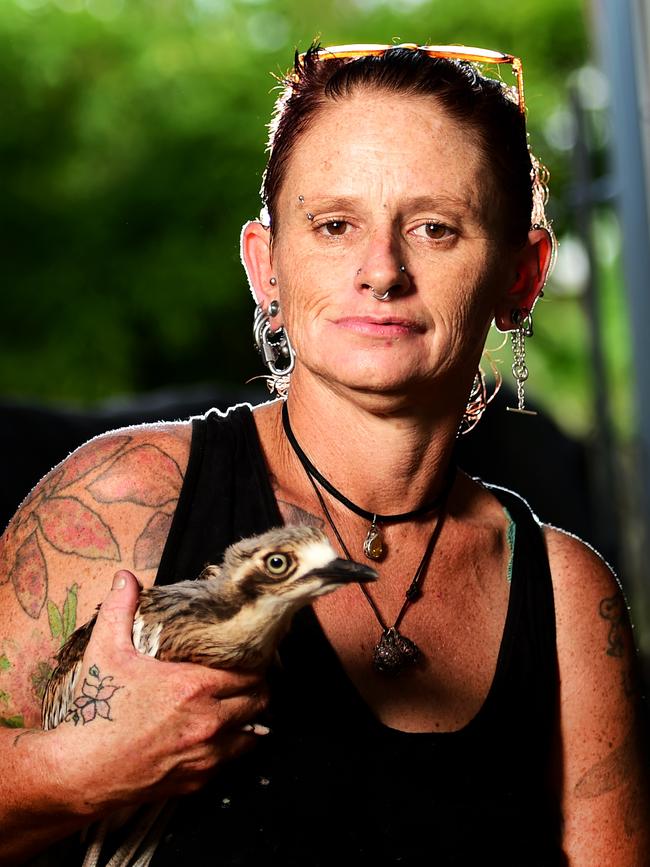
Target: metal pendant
(373, 546)
(394, 652)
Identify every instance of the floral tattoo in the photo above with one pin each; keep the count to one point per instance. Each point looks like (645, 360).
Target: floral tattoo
(94, 699)
(55, 517)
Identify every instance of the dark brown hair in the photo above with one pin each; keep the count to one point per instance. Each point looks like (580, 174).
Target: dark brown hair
(484, 104)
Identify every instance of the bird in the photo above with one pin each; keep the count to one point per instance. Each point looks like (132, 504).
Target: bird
(233, 615)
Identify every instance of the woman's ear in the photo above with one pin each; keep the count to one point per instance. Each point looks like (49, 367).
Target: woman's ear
(255, 246)
(532, 268)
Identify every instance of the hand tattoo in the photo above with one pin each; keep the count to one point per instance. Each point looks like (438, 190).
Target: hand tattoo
(94, 699)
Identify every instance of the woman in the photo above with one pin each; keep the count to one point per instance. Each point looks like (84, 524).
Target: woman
(478, 705)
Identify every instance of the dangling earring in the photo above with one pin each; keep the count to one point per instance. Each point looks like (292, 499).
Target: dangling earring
(479, 398)
(274, 347)
(522, 318)
(476, 404)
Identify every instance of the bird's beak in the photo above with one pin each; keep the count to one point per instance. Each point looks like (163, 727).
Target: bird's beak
(340, 571)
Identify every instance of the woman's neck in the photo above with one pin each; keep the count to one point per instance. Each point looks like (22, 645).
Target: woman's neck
(384, 454)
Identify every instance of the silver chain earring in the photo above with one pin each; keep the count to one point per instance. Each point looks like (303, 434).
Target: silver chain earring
(522, 318)
(274, 347)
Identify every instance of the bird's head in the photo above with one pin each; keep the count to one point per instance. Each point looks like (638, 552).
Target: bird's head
(291, 564)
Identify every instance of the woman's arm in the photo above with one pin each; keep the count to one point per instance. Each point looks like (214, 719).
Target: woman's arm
(108, 507)
(603, 735)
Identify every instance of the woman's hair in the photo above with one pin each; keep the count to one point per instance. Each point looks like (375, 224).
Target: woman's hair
(486, 105)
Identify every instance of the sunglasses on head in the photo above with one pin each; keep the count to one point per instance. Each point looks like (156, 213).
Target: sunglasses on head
(447, 52)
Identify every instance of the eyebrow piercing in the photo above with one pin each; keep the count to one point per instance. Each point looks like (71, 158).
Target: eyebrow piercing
(310, 216)
(301, 199)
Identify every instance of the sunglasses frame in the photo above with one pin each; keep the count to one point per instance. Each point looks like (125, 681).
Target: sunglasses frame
(447, 52)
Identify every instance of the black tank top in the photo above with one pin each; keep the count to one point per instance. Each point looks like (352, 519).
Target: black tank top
(332, 783)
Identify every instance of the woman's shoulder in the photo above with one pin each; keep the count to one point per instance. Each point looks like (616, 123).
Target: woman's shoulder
(108, 506)
(573, 559)
(591, 609)
(139, 464)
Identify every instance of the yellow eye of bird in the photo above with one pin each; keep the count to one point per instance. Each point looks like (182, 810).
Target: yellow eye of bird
(277, 564)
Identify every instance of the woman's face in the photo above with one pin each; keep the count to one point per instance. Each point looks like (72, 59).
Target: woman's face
(377, 183)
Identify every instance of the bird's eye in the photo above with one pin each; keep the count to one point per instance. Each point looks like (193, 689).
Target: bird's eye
(277, 564)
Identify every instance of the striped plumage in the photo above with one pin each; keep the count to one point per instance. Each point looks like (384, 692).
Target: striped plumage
(232, 615)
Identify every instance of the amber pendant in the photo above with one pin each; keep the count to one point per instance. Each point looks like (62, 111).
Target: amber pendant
(394, 652)
(373, 546)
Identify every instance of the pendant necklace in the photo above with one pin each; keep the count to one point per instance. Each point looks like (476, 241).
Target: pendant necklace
(394, 651)
(374, 546)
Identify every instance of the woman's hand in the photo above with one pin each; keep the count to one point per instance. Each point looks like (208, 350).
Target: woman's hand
(146, 729)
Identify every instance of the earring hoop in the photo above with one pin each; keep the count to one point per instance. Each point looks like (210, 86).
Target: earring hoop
(479, 399)
(276, 350)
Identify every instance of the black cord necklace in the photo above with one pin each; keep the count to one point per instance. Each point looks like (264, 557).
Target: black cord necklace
(393, 651)
(373, 546)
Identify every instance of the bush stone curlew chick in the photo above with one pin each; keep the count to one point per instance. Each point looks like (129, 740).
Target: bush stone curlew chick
(233, 615)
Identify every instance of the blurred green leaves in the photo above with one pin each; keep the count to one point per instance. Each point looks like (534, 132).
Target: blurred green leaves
(132, 147)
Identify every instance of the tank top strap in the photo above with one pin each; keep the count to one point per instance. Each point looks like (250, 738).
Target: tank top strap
(226, 494)
(531, 635)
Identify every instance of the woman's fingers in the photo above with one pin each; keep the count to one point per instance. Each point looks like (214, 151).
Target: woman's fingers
(155, 726)
(114, 625)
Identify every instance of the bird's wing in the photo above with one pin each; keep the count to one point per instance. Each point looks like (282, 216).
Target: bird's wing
(60, 690)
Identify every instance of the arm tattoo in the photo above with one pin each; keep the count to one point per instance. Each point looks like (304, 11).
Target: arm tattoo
(142, 475)
(612, 609)
(151, 541)
(25, 733)
(609, 773)
(293, 514)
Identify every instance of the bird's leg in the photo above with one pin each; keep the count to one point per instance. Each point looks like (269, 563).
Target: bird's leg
(145, 858)
(95, 849)
(144, 824)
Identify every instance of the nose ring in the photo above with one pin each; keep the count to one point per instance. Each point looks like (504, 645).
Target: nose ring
(385, 296)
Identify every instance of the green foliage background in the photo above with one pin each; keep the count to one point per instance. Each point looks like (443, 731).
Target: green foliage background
(132, 147)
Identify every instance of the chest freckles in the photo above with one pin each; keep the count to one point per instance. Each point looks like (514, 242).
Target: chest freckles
(457, 623)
